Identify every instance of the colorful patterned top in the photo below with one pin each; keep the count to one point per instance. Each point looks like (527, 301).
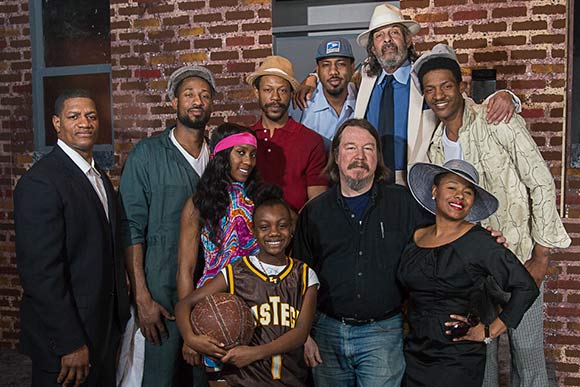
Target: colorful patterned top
(236, 235)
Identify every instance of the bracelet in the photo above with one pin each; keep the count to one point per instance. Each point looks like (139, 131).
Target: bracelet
(487, 339)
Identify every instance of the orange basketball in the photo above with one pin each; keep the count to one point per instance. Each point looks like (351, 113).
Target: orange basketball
(224, 317)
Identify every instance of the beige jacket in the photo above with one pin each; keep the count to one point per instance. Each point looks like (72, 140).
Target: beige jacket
(420, 125)
(511, 167)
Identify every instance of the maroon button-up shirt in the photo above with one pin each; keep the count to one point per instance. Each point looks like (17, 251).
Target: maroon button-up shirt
(292, 158)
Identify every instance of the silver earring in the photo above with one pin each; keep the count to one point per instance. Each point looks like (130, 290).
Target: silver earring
(433, 197)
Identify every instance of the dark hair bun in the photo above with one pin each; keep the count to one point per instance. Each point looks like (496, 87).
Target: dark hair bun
(269, 193)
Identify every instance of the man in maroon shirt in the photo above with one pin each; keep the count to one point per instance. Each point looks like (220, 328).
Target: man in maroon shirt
(289, 154)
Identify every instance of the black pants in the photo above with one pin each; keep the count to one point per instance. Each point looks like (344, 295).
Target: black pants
(102, 372)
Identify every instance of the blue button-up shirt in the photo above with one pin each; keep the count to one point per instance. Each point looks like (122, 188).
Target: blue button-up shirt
(321, 117)
(401, 92)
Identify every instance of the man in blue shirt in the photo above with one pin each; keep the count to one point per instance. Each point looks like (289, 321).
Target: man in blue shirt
(334, 99)
(389, 43)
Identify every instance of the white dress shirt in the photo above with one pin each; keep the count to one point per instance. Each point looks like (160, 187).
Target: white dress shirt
(90, 172)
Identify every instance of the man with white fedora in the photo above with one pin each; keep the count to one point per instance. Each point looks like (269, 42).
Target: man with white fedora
(405, 127)
(289, 154)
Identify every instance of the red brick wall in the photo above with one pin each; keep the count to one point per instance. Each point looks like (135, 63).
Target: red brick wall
(525, 41)
(16, 148)
(149, 40)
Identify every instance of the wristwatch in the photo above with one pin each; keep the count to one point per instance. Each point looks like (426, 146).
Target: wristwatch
(487, 339)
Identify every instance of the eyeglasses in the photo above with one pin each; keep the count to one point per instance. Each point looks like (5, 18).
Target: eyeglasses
(460, 328)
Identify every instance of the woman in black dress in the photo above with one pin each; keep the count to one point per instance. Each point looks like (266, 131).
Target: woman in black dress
(445, 271)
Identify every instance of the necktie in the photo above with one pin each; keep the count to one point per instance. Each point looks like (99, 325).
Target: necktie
(100, 189)
(387, 125)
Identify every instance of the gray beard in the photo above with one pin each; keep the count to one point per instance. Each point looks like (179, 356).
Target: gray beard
(391, 63)
(358, 184)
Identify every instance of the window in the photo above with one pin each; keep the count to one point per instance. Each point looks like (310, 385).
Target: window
(298, 27)
(71, 49)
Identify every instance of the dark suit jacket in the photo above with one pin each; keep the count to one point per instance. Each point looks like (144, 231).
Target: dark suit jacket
(72, 274)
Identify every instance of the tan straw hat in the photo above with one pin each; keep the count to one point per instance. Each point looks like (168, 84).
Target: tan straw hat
(386, 15)
(275, 65)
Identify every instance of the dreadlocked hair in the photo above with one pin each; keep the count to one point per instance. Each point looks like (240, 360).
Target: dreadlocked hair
(211, 198)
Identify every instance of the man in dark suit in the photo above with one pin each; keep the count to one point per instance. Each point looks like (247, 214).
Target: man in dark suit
(75, 297)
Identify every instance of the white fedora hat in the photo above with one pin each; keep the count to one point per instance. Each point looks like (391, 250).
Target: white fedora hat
(385, 15)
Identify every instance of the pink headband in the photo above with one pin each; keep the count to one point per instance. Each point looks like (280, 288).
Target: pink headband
(243, 138)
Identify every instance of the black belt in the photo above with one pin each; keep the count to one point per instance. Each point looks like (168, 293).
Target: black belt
(357, 322)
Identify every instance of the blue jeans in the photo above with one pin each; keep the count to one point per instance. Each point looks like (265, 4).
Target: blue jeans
(369, 355)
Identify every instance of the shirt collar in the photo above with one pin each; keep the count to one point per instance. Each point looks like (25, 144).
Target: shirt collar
(289, 127)
(469, 114)
(174, 141)
(373, 193)
(351, 97)
(402, 74)
(77, 158)
(319, 104)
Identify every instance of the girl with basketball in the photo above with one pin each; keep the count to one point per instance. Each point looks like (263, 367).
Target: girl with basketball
(281, 293)
(219, 213)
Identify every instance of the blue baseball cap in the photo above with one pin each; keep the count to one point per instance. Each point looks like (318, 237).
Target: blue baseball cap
(333, 47)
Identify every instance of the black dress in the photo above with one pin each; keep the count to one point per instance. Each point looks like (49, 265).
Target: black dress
(450, 279)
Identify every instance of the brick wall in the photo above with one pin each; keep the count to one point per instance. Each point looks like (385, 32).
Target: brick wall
(16, 148)
(149, 40)
(525, 41)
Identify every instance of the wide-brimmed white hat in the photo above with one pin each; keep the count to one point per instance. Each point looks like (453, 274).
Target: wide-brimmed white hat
(420, 181)
(385, 15)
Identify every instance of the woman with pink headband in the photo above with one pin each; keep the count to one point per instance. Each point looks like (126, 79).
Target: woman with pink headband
(220, 212)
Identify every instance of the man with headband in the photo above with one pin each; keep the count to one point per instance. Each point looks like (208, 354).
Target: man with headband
(289, 154)
(160, 174)
(512, 169)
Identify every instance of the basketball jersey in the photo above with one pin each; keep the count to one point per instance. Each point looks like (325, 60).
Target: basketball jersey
(275, 302)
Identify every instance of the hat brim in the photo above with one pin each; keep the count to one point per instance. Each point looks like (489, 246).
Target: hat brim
(420, 182)
(253, 76)
(412, 26)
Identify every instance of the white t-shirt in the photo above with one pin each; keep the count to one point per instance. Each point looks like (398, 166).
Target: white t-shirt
(451, 149)
(275, 270)
(198, 164)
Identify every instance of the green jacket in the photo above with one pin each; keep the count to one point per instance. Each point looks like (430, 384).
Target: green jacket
(155, 184)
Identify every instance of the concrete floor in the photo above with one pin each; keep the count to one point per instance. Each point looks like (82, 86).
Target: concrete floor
(14, 369)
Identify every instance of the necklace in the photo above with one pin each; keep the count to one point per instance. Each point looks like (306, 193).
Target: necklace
(270, 278)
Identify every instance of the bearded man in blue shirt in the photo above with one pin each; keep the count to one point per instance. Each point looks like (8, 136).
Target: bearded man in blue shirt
(389, 95)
